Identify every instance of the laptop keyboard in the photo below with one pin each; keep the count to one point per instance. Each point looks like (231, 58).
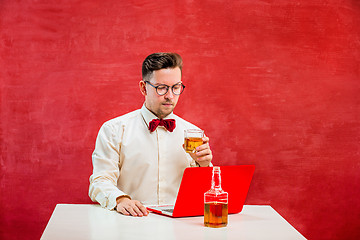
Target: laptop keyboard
(170, 210)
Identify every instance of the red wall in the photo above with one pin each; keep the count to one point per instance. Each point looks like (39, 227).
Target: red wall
(273, 83)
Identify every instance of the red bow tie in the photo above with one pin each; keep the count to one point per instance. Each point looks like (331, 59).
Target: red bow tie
(169, 124)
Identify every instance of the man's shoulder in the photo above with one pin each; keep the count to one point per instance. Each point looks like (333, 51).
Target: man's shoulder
(183, 122)
(123, 119)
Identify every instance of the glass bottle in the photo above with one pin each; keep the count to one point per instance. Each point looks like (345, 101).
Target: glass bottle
(216, 203)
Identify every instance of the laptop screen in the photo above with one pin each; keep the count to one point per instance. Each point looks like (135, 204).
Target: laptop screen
(196, 181)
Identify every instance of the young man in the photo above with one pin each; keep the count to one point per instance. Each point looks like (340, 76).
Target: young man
(139, 157)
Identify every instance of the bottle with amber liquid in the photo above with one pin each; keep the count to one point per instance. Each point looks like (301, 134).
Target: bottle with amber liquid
(216, 203)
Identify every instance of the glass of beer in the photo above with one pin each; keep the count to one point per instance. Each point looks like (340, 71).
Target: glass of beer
(193, 139)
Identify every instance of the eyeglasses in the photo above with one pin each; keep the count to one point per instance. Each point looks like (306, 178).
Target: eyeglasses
(162, 89)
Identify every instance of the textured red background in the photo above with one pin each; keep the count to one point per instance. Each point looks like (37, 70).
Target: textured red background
(273, 83)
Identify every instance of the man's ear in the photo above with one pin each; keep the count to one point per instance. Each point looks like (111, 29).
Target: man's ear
(142, 86)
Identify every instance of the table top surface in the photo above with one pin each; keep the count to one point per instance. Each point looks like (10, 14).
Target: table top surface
(88, 221)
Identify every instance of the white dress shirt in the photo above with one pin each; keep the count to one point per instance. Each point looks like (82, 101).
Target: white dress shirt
(129, 160)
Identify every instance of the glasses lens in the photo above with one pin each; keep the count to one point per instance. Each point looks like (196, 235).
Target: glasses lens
(177, 89)
(161, 90)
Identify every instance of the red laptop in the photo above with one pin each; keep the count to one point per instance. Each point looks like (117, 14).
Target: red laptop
(196, 181)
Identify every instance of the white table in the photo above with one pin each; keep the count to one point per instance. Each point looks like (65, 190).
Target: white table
(86, 221)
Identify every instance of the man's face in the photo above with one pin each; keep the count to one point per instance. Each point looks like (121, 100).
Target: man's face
(163, 105)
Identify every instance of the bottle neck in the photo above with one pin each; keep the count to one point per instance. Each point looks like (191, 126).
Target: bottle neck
(216, 178)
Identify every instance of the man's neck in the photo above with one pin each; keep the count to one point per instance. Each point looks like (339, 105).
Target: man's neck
(160, 117)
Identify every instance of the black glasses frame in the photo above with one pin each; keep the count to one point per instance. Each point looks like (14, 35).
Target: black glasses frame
(167, 88)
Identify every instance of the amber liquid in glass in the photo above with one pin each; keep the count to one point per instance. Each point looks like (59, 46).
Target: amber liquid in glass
(192, 143)
(216, 215)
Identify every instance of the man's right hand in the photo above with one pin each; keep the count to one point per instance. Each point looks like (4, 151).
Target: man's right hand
(129, 207)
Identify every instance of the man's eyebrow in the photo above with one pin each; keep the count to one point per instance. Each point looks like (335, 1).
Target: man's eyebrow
(161, 84)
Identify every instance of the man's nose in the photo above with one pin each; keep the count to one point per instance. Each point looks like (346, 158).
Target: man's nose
(169, 94)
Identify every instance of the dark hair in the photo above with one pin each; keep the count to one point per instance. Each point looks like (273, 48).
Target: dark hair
(157, 61)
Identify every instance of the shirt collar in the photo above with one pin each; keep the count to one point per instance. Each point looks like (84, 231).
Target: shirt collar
(148, 116)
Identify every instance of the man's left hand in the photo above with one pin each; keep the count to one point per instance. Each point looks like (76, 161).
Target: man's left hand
(203, 154)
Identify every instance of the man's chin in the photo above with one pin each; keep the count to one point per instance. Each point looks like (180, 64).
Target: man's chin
(166, 111)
